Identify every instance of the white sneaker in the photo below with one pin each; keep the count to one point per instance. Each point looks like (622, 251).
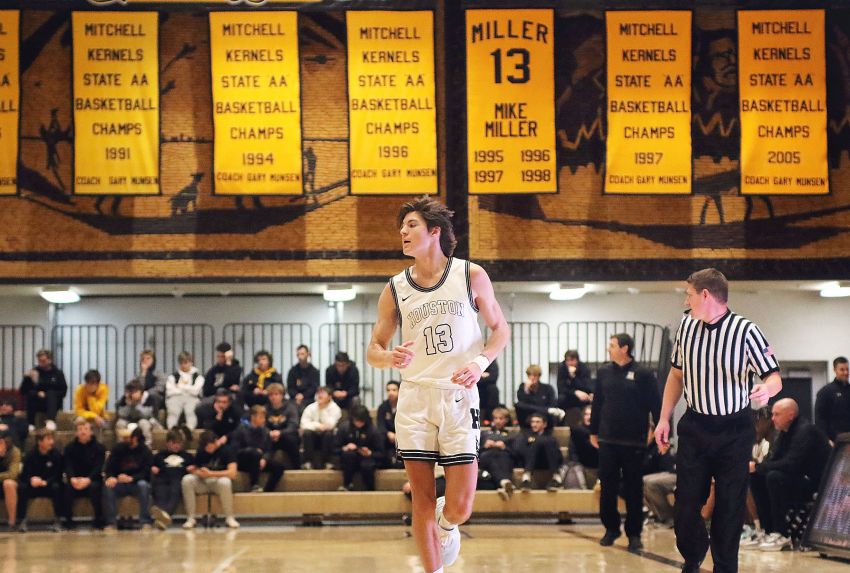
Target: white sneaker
(774, 542)
(755, 538)
(190, 523)
(232, 523)
(449, 540)
(50, 425)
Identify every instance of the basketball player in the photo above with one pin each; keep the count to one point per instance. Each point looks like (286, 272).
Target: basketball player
(436, 303)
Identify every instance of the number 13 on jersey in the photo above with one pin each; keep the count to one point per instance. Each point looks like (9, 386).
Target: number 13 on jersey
(510, 101)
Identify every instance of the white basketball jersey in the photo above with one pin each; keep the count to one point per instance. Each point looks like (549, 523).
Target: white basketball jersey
(442, 322)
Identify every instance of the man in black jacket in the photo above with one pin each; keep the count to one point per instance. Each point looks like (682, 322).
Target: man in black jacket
(302, 380)
(253, 448)
(225, 373)
(282, 422)
(128, 472)
(832, 406)
(626, 393)
(360, 447)
(84, 457)
(44, 388)
(343, 378)
(791, 472)
(256, 383)
(496, 460)
(385, 421)
(533, 397)
(41, 476)
(222, 417)
(575, 385)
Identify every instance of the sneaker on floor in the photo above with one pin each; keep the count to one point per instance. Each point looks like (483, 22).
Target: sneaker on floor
(306, 466)
(525, 484)
(231, 523)
(747, 532)
(635, 544)
(506, 489)
(22, 527)
(554, 485)
(161, 518)
(609, 538)
(57, 527)
(50, 425)
(256, 489)
(449, 539)
(329, 466)
(774, 542)
(755, 539)
(190, 523)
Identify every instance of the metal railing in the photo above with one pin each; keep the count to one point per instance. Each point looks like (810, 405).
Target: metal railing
(167, 341)
(279, 338)
(591, 338)
(18, 345)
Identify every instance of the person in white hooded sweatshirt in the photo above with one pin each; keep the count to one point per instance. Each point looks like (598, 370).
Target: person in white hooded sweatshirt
(183, 392)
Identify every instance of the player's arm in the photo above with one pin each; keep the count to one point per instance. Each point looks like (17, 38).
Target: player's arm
(672, 394)
(378, 353)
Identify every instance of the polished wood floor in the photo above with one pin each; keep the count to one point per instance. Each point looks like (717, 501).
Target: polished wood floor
(361, 549)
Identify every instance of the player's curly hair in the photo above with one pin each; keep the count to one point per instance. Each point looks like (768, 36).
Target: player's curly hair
(436, 215)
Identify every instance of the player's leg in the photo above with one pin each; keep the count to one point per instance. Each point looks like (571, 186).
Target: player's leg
(423, 491)
(460, 492)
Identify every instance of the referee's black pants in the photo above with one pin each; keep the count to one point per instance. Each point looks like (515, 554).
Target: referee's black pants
(619, 464)
(716, 447)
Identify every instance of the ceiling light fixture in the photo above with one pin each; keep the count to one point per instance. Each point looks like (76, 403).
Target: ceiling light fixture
(568, 291)
(339, 293)
(59, 295)
(835, 290)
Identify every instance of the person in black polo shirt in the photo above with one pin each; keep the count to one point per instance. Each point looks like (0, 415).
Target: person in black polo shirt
(716, 355)
(832, 406)
(84, 458)
(626, 394)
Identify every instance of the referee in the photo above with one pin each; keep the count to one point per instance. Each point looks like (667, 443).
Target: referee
(715, 357)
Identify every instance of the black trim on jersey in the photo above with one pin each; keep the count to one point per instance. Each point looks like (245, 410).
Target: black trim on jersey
(395, 297)
(469, 288)
(436, 286)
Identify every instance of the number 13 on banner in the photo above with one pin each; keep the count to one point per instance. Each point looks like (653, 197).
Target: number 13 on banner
(510, 101)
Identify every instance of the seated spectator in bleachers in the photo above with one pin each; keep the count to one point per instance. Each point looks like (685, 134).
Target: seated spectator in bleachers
(44, 387)
(90, 400)
(538, 450)
(790, 474)
(214, 472)
(83, 458)
(256, 383)
(343, 378)
(41, 476)
(302, 381)
(534, 397)
(128, 472)
(659, 481)
(168, 468)
(360, 447)
(282, 422)
(225, 373)
(761, 447)
(9, 422)
(488, 391)
(318, 422)
(582, 455)
(222, 416)
(385, 421)
(832, 405)
(10, 469)
(137, 407)
(183, 392)
(496, 460)
(575, 385)
(253, 448)
(153, 382)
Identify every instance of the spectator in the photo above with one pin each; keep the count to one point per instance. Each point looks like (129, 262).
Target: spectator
(84, 457)
(10, 470)
(282, 422)
(753, 534)
(44, 387)
(659, 481)
(488, 391)
(791, 473)
(386, 424)
(536, 398)
(575, 386)
(128, 472)
(183, 391)
(302, 381)
(214, 472)
(496, 461)
(254, 387)
(360, 448)
(317, 424)
(168, 468)
(90, 400)
(153, 382)
(137, 407)
(538, 450)
(225, 373)
(343, 378)
(832, 405)
(9, 422)
(253, 448)
(41, 476)
(626, 394)
(222, 416)
(582, 455)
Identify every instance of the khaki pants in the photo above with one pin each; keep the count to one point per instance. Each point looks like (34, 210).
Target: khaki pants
(193, 485)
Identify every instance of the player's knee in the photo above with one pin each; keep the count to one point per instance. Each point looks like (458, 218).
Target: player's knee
(458, 510)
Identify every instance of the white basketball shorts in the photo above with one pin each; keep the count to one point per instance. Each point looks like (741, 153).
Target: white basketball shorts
(438, 425)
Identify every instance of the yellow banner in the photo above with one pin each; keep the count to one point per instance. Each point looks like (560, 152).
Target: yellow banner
(783, 102)
(256, 103)
(391, 103)
(510, 101)
(648, 146)
(116, 103)
(10, 96)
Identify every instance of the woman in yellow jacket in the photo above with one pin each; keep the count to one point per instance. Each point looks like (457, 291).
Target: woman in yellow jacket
(90, 400)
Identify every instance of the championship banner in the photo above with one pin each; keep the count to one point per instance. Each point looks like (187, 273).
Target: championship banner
(510, 101)
(783, 102)
(391, 103)
(116, 103)
(10, 96)
(648, 142)
(256, 89)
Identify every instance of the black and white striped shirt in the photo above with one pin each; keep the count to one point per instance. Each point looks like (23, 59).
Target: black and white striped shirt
(718, 362)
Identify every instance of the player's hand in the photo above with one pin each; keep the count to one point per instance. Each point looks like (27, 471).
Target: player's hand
(110, 482)
(594, 441)
(760, 395)
(467, 376)
(752, 467)
(662, 436)
(583, 396)
(402, 355)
